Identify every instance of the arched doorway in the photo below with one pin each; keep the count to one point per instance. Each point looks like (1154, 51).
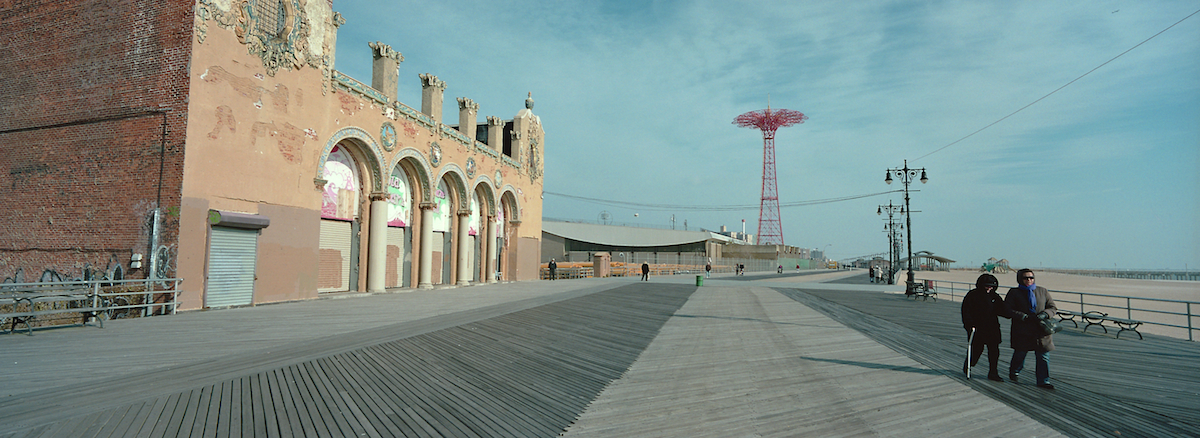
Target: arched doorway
(340, 207)
(442, 244)
(399, 228)
(476, 234)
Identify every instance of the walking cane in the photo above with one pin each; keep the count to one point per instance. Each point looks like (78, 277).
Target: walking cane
(970, 337)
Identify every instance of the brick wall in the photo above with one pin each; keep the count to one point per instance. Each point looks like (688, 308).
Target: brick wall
(87, 86)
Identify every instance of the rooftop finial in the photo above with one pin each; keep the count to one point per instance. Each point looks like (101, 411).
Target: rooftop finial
(529, 101)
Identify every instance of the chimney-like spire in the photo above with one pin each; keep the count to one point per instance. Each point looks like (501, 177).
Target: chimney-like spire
(385, 69)
(432, 90)
(468, 110)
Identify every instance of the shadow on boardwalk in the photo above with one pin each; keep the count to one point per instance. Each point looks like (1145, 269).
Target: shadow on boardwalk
(1104, 386)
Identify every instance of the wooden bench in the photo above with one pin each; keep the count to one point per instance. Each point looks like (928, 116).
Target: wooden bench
(24, 308)
(1098, 318)
(921, 289)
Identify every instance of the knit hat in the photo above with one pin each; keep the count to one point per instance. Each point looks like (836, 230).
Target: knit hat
(986, 280)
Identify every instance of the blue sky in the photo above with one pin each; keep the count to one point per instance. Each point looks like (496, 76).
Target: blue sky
(638, 98)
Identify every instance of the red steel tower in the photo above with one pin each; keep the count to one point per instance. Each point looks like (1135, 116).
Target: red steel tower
(770, 229)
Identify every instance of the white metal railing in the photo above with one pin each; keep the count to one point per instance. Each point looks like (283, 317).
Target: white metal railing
(111, 298)
(1174, 315)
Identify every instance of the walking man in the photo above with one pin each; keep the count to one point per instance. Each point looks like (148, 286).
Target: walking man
(1030, 299)
(645, 271)
(553, 269)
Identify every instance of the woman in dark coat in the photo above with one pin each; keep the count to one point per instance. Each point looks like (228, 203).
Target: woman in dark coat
(980, 308)
(1026, 335)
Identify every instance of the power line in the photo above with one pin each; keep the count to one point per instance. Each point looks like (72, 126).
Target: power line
(666, 207)
(1059, 88)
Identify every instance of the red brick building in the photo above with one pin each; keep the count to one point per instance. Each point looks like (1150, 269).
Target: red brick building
(93, 118)
(217, 141)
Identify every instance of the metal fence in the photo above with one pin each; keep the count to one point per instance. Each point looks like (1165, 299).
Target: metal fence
(665, 264)
(49, 304)
(1177, 318)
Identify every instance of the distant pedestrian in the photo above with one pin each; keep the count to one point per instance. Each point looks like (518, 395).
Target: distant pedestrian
(707, 270)
(797, 268)
(879, 274)
(980, 307)
(871, 274)
(553, 269)
(1026, 335)
(645, 271)
(780, 270)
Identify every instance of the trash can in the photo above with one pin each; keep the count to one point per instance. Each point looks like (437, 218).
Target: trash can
(699, 280)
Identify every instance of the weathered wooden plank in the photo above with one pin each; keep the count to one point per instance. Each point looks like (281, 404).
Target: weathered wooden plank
(285, 411)
(316, 413)
(498, 421)
(342, 416)
(256, 410)
(361, 395)
(114, 421)
(403, 389)
(299, 401)
(220, 427)
(197, 415)
(242, 419)
(159, 419)
(135, 415)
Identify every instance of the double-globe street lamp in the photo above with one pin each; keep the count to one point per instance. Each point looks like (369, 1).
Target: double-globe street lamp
(892, 228)
(906, 176)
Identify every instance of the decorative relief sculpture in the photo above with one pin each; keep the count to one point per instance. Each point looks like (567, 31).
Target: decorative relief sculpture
(435, 154)
(535, 161)
(387, 136)
(385, 51)
(276, 31)
(428, 80)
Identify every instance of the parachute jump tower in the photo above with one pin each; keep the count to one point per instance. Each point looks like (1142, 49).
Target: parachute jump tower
(770, 229)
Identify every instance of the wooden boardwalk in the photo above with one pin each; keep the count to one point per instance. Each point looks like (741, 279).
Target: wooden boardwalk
(1103, 386)
(590, 357)
(748, 361)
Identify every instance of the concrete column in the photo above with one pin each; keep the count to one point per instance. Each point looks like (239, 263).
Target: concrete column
(468, 112)
(385, 69)
(491, 249)
(432, 92)
(464, 248)
(377, 243)
(424, 281)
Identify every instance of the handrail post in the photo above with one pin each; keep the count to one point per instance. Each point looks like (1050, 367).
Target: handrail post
(1128, 308)
(1189, 310)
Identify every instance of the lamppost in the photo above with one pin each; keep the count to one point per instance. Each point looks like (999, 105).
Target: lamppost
(906, 176)
(825, 255)
(891, 228)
